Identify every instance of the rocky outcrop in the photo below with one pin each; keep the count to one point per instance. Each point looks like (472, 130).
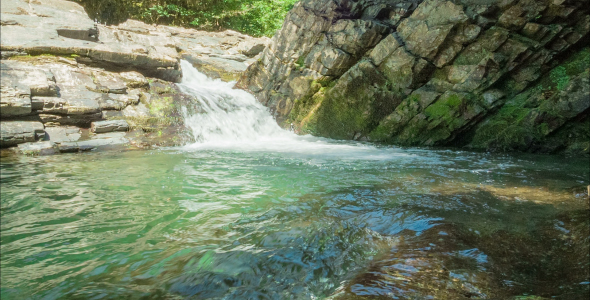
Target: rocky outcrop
(60, 27)
(497, 75)
(17, 132)
(70, 82)
(69, 102)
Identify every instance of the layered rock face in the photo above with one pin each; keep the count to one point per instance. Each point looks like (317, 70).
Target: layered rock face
(495, 74)
(63, 28)
(62, 75)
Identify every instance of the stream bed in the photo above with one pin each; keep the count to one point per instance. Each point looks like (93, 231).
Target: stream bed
(251, 224)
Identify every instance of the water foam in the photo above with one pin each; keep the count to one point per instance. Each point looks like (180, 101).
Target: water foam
(232, 119)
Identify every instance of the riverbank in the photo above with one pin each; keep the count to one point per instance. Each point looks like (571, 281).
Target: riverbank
(71, 85)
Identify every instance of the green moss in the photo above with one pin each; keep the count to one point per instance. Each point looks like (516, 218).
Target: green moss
(507, 129)
(302, 107)
(304, 112)
(325, 82)
(578, 63)
(445, 108)
(152, 124)
(356, 104)
(437, 110)
(37, 57)
(161, 107)
(571, 139)
(382, 133)
(300, 62)
(440, 121)
(345, 114)
(514, 126)
(392, 124)
(214, 72)
(560, 78)
(399, 78)
(414, 98)
(454, 101)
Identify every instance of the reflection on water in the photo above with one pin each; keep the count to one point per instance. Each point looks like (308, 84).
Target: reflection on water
(360, 222)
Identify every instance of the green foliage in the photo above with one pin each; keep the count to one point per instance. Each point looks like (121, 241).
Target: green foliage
(256, 17)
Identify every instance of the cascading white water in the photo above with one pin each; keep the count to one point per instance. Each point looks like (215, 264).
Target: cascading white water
(232, 119)
(227, 116)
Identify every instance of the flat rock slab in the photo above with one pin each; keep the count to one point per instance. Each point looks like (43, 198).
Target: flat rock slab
(105, 140)
(17, 132)
(63, 28)
(63, 134)
(109, 126)
(37, 148)
(15, 99)
(41, 82)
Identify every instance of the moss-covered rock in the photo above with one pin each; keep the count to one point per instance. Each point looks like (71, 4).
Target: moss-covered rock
(353, 107)
(505, 62)
(529, 120)
(440, 121)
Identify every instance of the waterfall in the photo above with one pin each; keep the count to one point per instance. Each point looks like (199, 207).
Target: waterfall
(224, 118)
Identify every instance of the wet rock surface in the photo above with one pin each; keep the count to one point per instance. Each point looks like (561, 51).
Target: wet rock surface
(434, 72)
(446, 262)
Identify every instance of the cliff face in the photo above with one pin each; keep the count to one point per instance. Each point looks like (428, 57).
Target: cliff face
(504, 74)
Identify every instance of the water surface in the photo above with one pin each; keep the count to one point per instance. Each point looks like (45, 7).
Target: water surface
(250, 211)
